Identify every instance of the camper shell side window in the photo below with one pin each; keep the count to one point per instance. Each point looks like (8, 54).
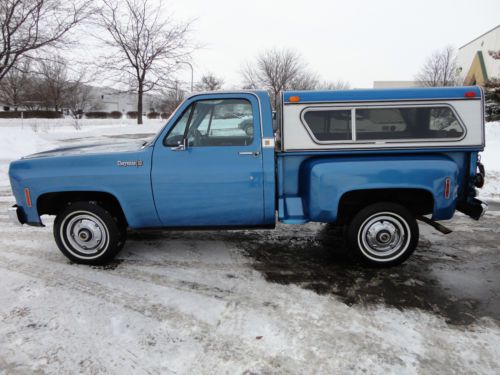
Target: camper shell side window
(362, 124)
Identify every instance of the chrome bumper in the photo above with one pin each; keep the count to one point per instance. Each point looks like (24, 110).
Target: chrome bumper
(15, 215)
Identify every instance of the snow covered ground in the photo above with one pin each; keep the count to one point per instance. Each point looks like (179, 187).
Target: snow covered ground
(250, 302)
(491, 159)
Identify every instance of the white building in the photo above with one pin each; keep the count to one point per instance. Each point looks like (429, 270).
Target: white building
(474, 62)
(106, 99)
(394, 84)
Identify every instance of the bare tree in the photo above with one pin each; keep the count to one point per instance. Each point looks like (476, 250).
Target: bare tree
(171, 99)
(209, 82)
(58, 85)
(53, 82)
(15, 87)
(28, 25)
(304, 81)
(440, 69)
(276, 70)
(79, 99)
(334, 85)
(144, 45)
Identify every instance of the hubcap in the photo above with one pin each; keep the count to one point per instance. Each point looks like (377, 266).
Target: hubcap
(384, 236)
(86, 234)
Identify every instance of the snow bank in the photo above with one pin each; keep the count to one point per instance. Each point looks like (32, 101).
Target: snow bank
(491, 160)
(18, 139)
(491, 154)
(15, 143)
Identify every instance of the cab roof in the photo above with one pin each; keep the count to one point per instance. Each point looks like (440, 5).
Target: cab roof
(360, 95)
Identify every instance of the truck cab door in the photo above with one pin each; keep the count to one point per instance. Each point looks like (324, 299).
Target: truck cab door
(207, 165)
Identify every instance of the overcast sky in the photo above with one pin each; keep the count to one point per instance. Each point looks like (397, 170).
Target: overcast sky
(352, 40)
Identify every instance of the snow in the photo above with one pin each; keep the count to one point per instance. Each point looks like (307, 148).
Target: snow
(19, 139)
(491, 160)
(170, 307)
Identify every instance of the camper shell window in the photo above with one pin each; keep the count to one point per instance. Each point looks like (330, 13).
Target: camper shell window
(382, 123)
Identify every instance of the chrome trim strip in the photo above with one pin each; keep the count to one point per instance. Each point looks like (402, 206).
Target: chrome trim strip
(418, 149)
(353, 124)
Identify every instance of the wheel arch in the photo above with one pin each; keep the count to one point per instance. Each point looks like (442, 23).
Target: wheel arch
(52, 203)
(419, 201)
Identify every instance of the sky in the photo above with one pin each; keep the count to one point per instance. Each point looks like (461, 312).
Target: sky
(351, 40)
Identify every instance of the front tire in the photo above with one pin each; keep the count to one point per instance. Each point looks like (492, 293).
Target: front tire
(383, 234)
(86, 233)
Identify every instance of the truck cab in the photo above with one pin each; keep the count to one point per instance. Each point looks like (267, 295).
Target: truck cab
(370, 160)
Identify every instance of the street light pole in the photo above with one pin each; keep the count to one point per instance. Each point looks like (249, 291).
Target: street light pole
(192, 71)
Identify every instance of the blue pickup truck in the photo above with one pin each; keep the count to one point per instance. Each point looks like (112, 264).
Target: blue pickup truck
(373, 161)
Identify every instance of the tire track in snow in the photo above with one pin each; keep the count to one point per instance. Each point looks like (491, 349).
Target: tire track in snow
(217, 343)
(249, 298)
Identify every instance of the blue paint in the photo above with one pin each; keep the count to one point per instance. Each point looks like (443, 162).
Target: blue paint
(325, 181)
(89, 172)
(419, 93)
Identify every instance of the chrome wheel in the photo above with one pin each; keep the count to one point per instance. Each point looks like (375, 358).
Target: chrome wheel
(84, 235)
(384, 236)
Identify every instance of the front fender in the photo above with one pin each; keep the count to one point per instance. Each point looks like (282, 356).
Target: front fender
(130, 185)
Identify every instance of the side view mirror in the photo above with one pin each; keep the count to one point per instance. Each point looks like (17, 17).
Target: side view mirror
(181, 147)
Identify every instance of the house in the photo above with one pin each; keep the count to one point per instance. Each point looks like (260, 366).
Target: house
(474, 62)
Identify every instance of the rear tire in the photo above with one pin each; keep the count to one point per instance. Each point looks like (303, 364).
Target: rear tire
(383, 234)
(86, 233)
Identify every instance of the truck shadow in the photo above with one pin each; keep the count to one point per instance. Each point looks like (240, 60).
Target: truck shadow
(315, 257)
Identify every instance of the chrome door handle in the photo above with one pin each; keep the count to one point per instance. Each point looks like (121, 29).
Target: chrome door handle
(254, 153)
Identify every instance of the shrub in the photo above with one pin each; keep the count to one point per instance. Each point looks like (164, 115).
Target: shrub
(165, 115)
(31, 114)
(153, 115)
(94, 115)
(10, 114)
(492, 105)
(132, 114)
(115, 114)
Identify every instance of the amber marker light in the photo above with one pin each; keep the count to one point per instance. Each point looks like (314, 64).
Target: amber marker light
(27, 196)
(294, 99)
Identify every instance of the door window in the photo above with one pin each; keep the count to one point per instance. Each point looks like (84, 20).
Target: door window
(223, 122)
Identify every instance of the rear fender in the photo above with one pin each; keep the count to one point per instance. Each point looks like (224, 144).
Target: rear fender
(325, 180)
